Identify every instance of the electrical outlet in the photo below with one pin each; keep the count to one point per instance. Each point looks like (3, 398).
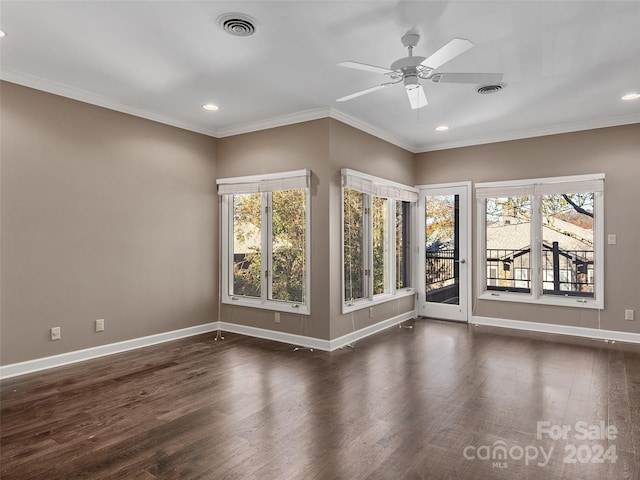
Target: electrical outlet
(55, 333)
(277, 317)
(370, 312)
(628, 314)
(100, 325)
(612, 239)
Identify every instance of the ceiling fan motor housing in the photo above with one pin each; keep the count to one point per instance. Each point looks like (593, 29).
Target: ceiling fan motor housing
(407, 63)
(410, 40)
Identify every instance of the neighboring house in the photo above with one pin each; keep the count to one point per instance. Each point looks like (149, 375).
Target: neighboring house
(567, 257)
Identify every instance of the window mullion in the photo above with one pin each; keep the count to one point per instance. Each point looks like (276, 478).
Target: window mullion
(481, 255)
(391, 244)
(598, 239)
(536, 247)
(267, 246)
(368, 245)
(226, 247)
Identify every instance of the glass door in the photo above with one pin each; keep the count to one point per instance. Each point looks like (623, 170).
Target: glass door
(444, 252)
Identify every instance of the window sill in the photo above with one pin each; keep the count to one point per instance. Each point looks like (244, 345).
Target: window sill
(575, 302)
(377, 300)
(284, 307)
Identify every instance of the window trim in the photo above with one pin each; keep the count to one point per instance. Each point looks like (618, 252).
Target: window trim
(535, 189)
(375, 186)
(265, 185)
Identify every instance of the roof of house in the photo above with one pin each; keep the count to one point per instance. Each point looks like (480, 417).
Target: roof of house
(517, 236)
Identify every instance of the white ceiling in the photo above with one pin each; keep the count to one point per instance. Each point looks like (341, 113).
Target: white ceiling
(566, 63)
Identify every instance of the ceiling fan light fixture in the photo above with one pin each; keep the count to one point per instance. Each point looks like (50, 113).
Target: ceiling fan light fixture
(417, 98)
(631, 96)
(411, 81)
(210, 106)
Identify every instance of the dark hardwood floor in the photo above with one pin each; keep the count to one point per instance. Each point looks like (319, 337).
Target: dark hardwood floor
(434, 402)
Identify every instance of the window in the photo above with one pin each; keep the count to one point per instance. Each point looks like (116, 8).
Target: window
(403, 254)
(354, 254)
(508, 243)
(376, 239)
(379, 217)
(265, 241)
(247, 244)
(541, 240)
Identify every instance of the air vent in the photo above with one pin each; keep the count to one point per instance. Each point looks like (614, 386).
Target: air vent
(237, 24)
(489, 89)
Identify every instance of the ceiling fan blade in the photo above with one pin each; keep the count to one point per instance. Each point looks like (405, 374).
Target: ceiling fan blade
(417, 98)
(476, 78)
(365, 67)
(448, 52)
(362, 92)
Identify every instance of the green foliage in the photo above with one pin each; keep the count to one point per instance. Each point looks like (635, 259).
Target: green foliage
(247, 266)
(354, 247)
(288, 276)
(379, 216)
(353, 244)
(402, 243)
(288, 243)
(440, 218)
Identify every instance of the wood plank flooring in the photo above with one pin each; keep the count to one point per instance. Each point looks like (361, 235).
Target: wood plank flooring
(432, 402)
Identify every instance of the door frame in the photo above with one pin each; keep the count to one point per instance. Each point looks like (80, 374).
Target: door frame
(466, 305)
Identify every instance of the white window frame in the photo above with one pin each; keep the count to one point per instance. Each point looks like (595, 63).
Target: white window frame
(536, 189)
(265, 185)
(373, 186)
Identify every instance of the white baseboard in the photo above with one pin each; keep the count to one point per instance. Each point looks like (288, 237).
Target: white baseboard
(31, 366)
(291, 338)
(311, 342)
(38, 364)
(370, 330)
(559, 329)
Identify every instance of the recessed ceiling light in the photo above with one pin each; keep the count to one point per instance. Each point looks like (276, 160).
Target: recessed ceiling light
(210, 106)
(442, 128)
(2, 33)
(631, 96)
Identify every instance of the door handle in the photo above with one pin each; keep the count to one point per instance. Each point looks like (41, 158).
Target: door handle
(460, 261)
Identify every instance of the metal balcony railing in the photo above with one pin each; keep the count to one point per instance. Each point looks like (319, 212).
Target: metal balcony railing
(441, 268)
(564, 272)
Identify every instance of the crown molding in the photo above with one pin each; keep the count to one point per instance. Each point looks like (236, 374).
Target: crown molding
(370, 129)
(280, 121)
(46, 85)
(49, 86)
(536, 132)
(315, 114)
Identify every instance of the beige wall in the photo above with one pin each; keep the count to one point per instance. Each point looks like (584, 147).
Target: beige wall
(612, 151)
(324, 146)
(303, 145)
(103, 215)
(352, 148)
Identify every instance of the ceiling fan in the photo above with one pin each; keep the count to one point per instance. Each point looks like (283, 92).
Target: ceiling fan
(411, 69)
